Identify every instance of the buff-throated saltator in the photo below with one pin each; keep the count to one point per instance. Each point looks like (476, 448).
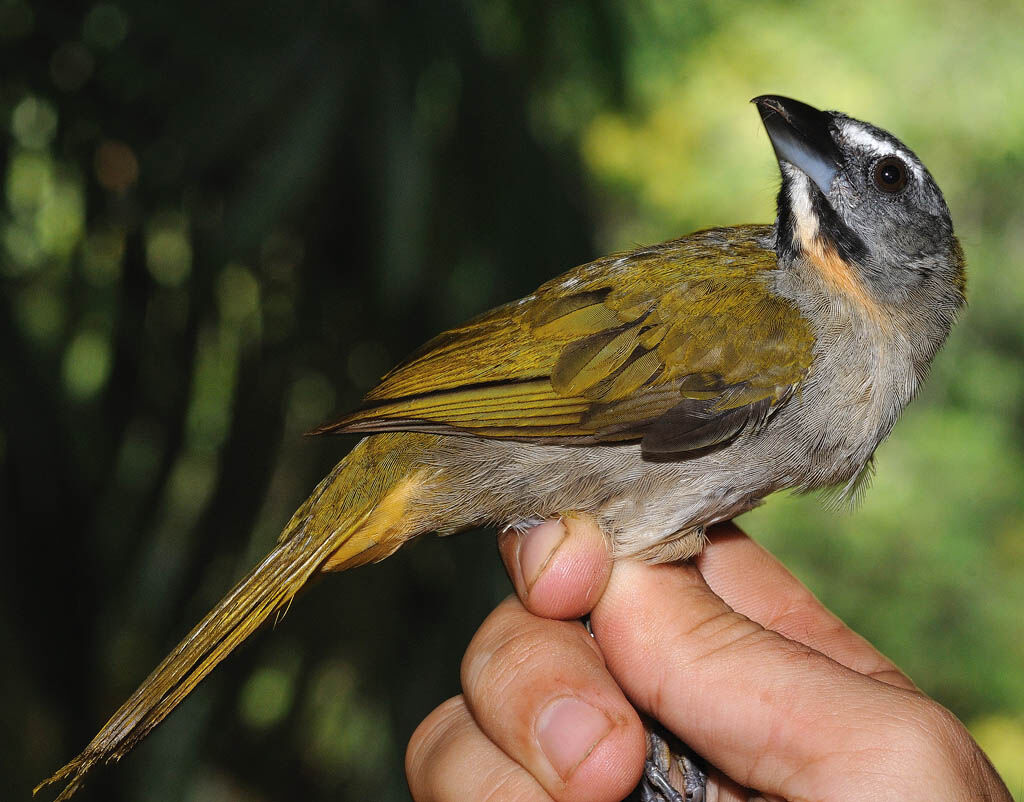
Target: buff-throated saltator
(657, 391)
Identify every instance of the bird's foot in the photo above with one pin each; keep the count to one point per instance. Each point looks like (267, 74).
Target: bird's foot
(672, 773)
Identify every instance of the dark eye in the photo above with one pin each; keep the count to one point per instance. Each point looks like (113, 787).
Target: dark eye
(890, 174)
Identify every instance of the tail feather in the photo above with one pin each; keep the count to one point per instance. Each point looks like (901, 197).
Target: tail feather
(264, 591)
(335, 526)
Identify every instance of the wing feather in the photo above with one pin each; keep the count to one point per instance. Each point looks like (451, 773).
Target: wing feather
(681, 346)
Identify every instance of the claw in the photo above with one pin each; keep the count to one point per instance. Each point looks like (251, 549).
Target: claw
(656, 786)
(695, 780)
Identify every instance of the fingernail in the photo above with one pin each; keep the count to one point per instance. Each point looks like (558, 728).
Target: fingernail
(537, 547)
(568, 730)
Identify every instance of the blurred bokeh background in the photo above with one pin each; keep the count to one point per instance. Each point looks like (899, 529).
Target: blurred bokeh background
(221, 222)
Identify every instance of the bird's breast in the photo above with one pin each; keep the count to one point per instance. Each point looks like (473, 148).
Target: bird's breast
(862, 377)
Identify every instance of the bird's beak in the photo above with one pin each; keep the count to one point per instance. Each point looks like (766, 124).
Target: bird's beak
(800, 136)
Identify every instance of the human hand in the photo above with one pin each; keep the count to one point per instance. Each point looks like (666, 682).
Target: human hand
(732, 654)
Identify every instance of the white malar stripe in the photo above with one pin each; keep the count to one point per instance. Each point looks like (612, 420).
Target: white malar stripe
(806, 228)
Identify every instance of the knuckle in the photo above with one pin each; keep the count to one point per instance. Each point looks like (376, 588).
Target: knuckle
(924, 731)
(931, 742)
(448, 758)
(494, 630)
(942, 732)
(424, 756)
(505, 784)
(708, 642)
(513, 648)
(723, 630)
(507, 660)
(799, 618)
(890, 675)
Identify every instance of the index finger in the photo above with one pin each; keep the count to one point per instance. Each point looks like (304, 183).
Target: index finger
(772, 713)
(560, 569)
(754, 583)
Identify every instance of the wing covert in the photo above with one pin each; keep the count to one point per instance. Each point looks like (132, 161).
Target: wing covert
(681, 345)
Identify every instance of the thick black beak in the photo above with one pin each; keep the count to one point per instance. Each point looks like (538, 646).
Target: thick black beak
(800, 136)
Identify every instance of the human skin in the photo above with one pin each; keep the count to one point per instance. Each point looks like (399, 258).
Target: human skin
(731, 653)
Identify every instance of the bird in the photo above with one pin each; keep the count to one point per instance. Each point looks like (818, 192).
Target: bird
(657, 391)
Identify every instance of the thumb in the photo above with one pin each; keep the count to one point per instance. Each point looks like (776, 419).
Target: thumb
(560, 567)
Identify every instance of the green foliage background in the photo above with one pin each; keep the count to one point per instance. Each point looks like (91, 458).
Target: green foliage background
(220, 223)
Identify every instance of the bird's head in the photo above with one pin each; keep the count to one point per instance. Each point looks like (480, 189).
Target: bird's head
(853, 192)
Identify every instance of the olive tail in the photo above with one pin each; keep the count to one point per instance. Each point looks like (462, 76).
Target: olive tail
(356, 514)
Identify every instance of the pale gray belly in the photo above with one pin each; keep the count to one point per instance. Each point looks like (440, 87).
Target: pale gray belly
(824, 435)
(639, 503)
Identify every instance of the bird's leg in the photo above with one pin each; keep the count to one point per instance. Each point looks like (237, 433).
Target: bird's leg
(672, 772)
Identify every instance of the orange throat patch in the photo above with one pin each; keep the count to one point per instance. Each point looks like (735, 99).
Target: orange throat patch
(838, 275)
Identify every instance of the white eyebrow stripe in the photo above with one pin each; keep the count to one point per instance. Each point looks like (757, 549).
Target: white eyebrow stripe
(863, 138)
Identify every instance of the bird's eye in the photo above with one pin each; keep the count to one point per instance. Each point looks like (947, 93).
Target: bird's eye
(890, 174)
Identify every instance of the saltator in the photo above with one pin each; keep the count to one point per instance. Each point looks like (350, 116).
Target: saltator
(656, 391)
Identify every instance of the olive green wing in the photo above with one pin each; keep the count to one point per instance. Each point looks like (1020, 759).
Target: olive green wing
(681, 345)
